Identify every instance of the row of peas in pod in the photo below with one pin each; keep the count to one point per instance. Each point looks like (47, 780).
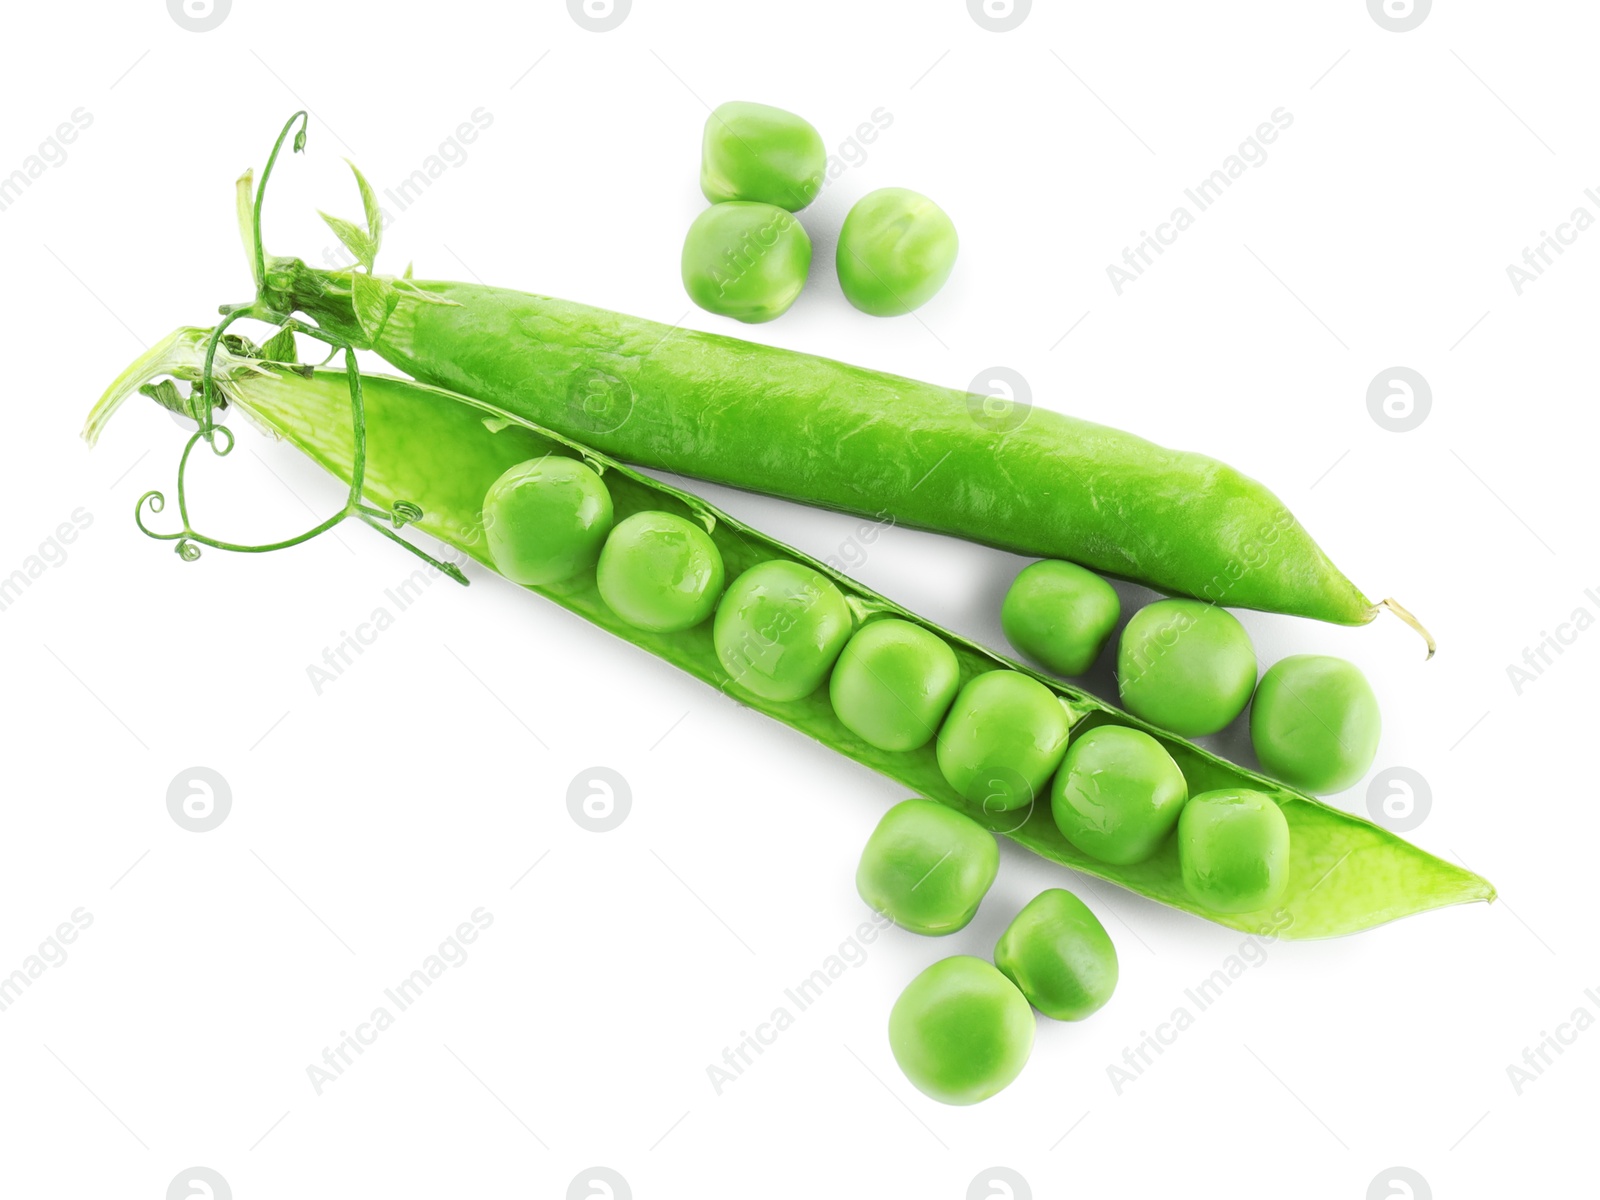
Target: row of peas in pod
(781, 630)
(1190, 667)
(747, 257)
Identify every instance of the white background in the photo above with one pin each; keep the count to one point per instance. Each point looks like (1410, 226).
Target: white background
(370, 820)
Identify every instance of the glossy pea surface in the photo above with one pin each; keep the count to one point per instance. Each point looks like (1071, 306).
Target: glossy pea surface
(927, 867)
(1059, 615)
(745, 260)
(1117, 795)
(896, 250)
(545, 520)
(660, 572)
(1315, 723)
(1059, 956)
(1004, 736)
(1233, 848)
(961, 1031)
(779, 628)
(893, 684)
(1185, 666)
(758, 152)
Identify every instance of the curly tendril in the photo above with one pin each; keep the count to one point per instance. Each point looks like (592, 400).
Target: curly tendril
(220, 438)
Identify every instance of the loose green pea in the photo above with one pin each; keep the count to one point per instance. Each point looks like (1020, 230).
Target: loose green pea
(896, 249)
(1233, 848)
(1118, 794)
(1004, 735)
(893, 684)
(1185, 666)
(1315, 723)
(961, 1031)
(545, 520)
(927, 867)
(660, 572)
(746, 261)
(778, 629)
(1059, 955)
(757, 152)
(1060, 615)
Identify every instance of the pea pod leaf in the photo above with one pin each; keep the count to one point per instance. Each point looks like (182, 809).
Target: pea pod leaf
(355, 241)
(374, 300)
(280, 348)
(369, 206)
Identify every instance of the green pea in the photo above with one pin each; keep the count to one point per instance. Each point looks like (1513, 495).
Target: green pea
(1185, 666)
(1118, 794)
(1059, 955)
(757, 152)
(896, 249)
(1004, 735)
(1059, 615)
(660, 572)
(961, 1031)
(545, 520)
(927, 867)
(1315, 723)
(778, 629)
(1233, 848)
(893, 684)
(746, 261)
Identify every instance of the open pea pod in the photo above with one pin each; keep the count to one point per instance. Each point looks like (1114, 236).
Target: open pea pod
(429, 456)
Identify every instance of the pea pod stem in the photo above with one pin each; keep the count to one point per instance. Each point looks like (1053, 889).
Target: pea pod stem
(1404, 614)
(429, 457)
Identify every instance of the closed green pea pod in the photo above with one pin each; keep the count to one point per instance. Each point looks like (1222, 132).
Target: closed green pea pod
(778, 629)
(1233, 850)
(961, 1031)
(927, 867)
(1059, 955)
(1005, 734)
(1315, 722)
(893, 684)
